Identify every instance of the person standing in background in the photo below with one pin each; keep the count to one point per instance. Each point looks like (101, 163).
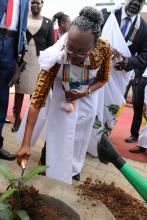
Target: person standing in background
(13, 22)
(134, 30)
(64, 22)
(40, 35)
(141, 146)
(127, 32)
(141, 99)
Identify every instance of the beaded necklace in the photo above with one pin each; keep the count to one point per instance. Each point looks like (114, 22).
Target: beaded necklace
(68, 80)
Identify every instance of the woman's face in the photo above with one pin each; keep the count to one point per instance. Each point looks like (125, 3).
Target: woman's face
(36, 6)
(64, 26)
(79, 45)
(133, 7)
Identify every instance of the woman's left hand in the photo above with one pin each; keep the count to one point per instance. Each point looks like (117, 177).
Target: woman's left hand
(72, 95)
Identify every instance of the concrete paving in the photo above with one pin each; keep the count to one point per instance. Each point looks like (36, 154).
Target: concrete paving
(92, 168)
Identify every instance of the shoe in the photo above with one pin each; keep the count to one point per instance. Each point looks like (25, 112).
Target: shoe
(137, 150)
(4, 155)
(131, 139)
(7, 121)
(16, 126)
(42, 174)
(76, 177)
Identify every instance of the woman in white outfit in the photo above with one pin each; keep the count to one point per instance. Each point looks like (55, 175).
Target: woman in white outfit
(79, 64)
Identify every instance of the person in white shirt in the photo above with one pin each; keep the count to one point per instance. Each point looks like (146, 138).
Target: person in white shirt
(134, 30)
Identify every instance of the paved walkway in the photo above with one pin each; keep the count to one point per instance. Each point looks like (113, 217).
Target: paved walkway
(92, 168)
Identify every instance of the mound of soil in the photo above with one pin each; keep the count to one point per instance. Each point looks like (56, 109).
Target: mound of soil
(36, 207)
(122, 205)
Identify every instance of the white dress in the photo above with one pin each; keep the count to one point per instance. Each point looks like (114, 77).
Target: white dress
(67, 134)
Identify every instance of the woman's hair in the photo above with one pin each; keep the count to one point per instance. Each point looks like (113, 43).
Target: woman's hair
(89, 19)
(60, 17)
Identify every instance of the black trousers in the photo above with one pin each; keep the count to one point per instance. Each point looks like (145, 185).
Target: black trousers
(130, 84)
(138, 101)
(43, 155)
(8, 55)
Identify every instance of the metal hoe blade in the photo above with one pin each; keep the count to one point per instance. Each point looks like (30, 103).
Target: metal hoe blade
(23, 169)
(23, 166)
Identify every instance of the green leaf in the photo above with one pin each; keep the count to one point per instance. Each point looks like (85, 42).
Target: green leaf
(4, 170)
(6, 194)
(5, 212)
(33, 172)
(4, 206)
(22, 215)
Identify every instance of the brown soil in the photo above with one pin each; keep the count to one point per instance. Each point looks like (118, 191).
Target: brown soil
(36, 208)
(122, 205)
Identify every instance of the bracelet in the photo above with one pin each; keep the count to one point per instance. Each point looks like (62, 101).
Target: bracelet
(89, 90)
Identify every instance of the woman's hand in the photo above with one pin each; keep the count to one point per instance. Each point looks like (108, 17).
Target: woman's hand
(23, 154)
(116, 55)
(121, 62)
(72, 95)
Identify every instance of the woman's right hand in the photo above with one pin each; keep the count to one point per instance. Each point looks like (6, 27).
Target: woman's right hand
(23, 153)
(116, 55)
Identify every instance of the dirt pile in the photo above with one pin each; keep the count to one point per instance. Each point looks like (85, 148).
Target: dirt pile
(122, 205)
(37, 209)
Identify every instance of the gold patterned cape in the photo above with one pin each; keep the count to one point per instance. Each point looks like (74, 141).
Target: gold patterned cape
(99, 58)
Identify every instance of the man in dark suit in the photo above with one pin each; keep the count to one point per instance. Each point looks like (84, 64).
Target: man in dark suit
(134, 30)
(13, 21)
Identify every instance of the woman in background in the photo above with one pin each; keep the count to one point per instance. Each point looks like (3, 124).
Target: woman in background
(63, 21)
(40, 35)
